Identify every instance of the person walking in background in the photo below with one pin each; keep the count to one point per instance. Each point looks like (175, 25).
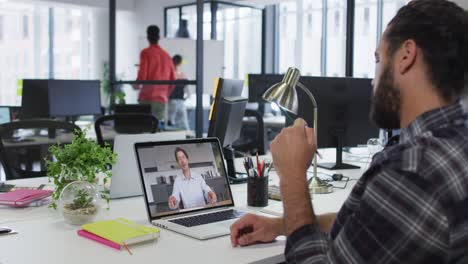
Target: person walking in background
(155, 64)
(177, 110)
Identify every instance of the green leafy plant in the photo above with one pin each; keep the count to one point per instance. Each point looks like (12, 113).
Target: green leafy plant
(82, 200)
(81, 160)
(120, 97)
(105, 82)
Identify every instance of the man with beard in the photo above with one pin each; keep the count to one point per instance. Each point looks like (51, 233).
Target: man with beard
(411, 205)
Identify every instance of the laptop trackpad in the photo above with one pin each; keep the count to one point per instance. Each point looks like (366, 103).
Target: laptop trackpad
(224, 224)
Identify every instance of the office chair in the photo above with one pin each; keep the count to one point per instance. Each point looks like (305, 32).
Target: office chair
(23, 146)
(131, 123)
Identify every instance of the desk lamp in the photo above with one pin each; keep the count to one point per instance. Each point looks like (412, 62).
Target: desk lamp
(284, 95)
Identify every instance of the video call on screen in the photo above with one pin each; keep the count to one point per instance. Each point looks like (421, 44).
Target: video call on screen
(163, 177)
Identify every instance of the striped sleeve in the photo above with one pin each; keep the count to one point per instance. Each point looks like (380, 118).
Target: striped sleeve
(397, 220)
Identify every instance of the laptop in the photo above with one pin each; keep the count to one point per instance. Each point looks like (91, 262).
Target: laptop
(184, 204)
(125, 181)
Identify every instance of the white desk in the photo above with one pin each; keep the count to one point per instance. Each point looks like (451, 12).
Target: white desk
(44, 237)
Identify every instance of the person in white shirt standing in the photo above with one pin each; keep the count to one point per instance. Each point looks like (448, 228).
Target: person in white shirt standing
(191, 189)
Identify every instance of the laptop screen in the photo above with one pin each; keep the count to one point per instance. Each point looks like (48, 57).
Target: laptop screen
(183, 176)
(5, 116)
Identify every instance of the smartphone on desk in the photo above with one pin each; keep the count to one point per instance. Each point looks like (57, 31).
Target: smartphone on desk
(6, 231)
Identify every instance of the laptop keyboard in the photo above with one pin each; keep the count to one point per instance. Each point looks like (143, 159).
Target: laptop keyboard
(207, 218)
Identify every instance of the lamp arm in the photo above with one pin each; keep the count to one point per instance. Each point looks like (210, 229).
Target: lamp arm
(309, 94)
(314, 103)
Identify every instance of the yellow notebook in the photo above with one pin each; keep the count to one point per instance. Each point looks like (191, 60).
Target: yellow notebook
(122, 231)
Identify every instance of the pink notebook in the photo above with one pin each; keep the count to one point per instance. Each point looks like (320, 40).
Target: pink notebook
(23, 197)
(99, 239)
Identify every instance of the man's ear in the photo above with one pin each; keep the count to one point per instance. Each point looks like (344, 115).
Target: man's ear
(406, 56)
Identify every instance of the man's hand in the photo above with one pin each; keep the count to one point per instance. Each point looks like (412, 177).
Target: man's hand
(212, 197)
(293, 150)
(172, 202)
(254, 228)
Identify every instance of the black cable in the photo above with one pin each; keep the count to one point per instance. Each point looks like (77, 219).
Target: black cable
(346, 179)
(346, 183)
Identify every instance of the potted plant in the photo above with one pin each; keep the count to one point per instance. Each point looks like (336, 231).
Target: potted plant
(81, 160)
(118, 96)
(79, 202)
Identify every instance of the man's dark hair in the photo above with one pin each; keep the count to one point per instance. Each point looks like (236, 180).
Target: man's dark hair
(177, 60)
(152, 33)
(180, 150)
(440, 30)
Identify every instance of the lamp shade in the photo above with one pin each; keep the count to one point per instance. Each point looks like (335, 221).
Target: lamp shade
(284, 93)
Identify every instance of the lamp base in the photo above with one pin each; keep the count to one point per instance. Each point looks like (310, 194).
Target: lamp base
(337, 166)
(320, 187)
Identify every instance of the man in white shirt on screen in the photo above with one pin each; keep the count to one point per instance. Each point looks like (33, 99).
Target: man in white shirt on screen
(191, 189)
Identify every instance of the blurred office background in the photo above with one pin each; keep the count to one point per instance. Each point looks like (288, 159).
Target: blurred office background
(69, 39)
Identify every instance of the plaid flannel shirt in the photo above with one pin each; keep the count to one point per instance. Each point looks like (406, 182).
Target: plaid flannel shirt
(410, 206)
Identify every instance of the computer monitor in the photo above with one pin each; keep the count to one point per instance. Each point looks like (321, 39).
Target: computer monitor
(343, 114)
(60, 98)
(125, 125)
(71, 98)
(132, 108)
(227, 129)
(259, 83)
(228, 126)
(343, 110)
(223, 88)
(226, 115)
(5, 115)
(35, 99)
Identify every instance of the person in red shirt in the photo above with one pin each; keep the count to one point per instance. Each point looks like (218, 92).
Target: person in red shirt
(155, 64)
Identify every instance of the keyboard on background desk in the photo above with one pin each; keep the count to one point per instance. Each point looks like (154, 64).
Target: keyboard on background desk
(274, 192)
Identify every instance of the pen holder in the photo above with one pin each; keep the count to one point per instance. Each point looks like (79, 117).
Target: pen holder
(257, 191)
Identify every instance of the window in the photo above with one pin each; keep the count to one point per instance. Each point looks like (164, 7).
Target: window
(25, 26)
(309, 28)
(189, 13)
(73, 46)
(312, 43)
(365, 38)
(336, 41)
(250, 42)
(238, 26)
(321, 24)
(366, 33)
(390, 8)
(19, 63)
(337, 22)
(26, 53)
(366, 21)
(2, 22)
(172, 22)
(288, 42)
